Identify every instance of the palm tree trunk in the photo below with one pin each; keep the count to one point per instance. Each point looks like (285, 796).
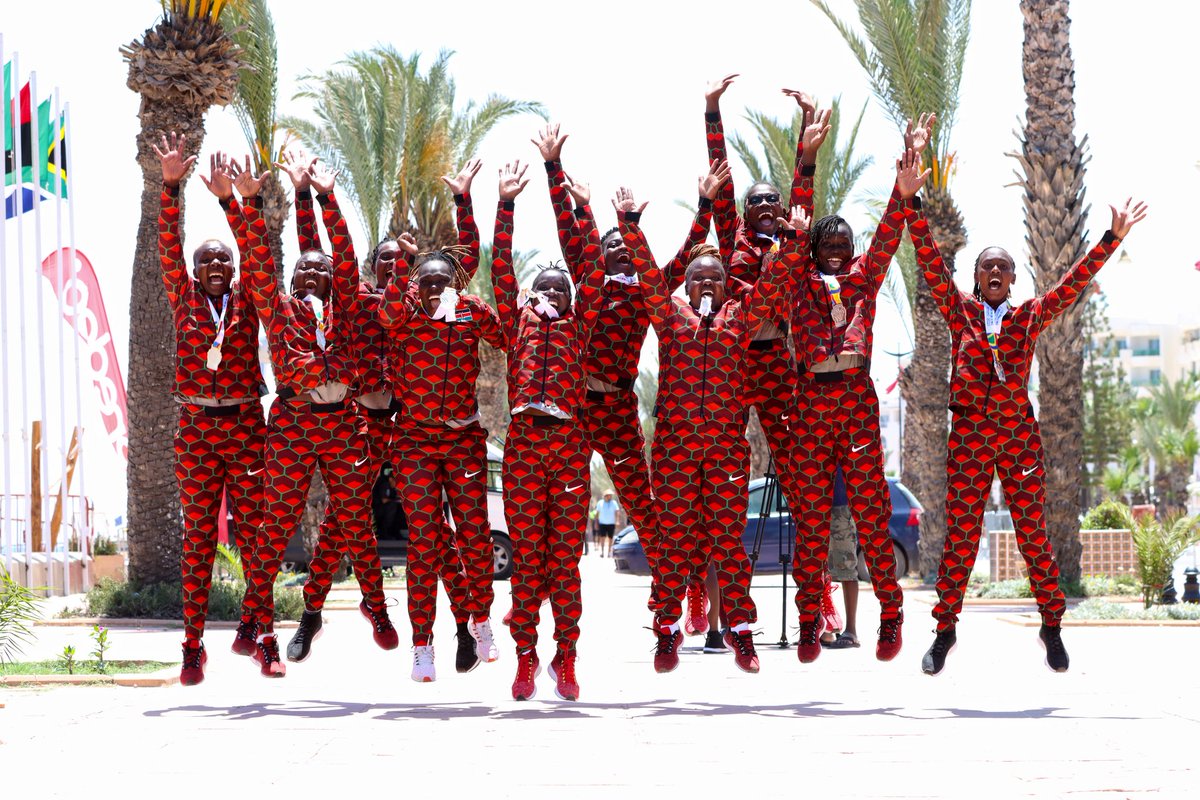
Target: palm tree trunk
(155, 520)
(1055, 215)
(492, 391)
(925, 389)
(275, 210)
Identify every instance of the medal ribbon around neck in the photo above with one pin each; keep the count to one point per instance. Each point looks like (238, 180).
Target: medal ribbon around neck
(213, 358)
(318, 309)
(993, 319)
(837, 311)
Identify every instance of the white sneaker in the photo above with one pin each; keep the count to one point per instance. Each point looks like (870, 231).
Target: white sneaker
(423, 671)
(485, 644)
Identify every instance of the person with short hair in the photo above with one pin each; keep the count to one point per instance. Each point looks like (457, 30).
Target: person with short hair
(606, 521)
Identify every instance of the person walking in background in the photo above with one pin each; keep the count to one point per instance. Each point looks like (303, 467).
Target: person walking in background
(606, 522)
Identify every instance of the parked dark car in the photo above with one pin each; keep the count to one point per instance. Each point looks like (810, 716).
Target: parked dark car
(778, 534)
(391, 526)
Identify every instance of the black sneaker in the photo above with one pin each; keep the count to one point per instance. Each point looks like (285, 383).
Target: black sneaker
(713, 642)
(308, 632)
(935, 657)
(467, 657)
(1056, 655)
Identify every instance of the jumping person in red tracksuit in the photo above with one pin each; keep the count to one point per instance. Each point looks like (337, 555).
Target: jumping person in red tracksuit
(375, 404)
(218, 382)
(700, 455)
(992, 428)
(833, 315)
(313, 422)
(613, 427)
(745, 242)
(441, 447)
(546, 475)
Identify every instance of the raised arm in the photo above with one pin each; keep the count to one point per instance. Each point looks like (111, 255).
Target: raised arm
(780, 269)
(399, 304)
(946, 294)
(220, 183)
(590, 282)
(170, 238)
(656, 294)
(343, 291)
(583, 249)
(710, 184)
(549, 143)
(296, 164)
(813, 132)
(1054, 302)
(504, 277)
(468, 229)
(724, 206)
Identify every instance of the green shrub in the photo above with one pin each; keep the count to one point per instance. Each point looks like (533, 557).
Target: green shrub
(1109, 515)
(1002, 590)
(18, 611)
(103, 546)
(1089, 586)
(1158, 546)
(1106, 609)
(119, 599)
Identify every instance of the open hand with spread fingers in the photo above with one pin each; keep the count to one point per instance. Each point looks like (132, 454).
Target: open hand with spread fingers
(718, 174)
(624, 203)
(513, 180)
(1126, 217)
(244, 179)
(461, 183)
(220, 177)
(909, 174)
(296, 163)
(174, 165)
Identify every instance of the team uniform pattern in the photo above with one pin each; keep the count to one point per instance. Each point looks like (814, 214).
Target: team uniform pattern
(546, 475)
(217, 449)
(700, 457)
(439, 450)
(303, 435)
(839, 416)
(992, 429)
(770, 372)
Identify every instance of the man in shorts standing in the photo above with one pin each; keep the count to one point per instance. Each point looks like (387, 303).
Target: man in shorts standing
(843, 567)
(606, 522)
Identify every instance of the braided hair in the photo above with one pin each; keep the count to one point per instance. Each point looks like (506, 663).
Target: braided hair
(555, 266)
(452, 255)
(702, 250)
(824, 228)
(375, 250)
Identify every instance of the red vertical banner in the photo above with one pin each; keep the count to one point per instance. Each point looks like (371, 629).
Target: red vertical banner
(96, 336)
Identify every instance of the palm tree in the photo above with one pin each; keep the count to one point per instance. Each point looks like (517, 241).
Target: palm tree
(252, 29)
(394, 132)
(913, 57)
(1166, 433)
(1052, 163)
(181, 66)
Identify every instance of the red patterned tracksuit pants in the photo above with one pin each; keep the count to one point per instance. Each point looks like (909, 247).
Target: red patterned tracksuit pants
(837, 419)
(770, 390)
(547, 487)
(300, 438)
(982, 445)
(700, 474)
(430, 462)
(614, 430)
(217, 450)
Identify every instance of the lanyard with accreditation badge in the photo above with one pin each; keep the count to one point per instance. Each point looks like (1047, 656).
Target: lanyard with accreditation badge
(213, 359)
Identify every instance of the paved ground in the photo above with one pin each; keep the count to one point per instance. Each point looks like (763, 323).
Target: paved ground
(997, 723)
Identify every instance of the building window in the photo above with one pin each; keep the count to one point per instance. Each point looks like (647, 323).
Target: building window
(1155, 377)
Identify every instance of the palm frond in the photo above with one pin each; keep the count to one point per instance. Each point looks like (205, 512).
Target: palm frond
(252, 28)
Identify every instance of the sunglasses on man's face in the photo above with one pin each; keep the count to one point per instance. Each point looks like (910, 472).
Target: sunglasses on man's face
(762, 199)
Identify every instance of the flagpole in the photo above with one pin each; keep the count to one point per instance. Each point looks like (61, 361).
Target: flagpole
(6, 507)
(56, 123)
(26, 437)
(39, 293)
(85, 528)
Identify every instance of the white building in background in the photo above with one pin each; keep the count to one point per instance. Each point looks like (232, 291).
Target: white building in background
(1151, 351)
(890, 418)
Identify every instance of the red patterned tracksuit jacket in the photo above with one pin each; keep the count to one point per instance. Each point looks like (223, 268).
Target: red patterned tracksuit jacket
(306, 431)
(547, 483)
(992, 428)
(612, 424)
(840, 413)
(221, 434)
(700, 456)
(441, 446)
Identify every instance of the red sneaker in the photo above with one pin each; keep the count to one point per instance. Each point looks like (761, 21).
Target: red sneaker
(889, 638)
(267, 657)
(829, 613)
(508, 617)
(528, 668)
(382, 630)
(194, 659)
(565, 684)
(245, 642)
(742, 645)
(809, 646)
(695, 623)
(666, 652)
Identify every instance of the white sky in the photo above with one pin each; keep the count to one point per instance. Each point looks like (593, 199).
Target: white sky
(627, 80)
